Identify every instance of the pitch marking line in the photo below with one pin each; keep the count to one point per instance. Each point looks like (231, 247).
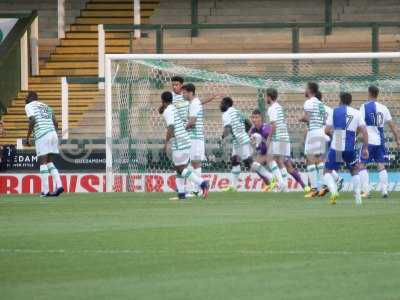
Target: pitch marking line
(194, 252)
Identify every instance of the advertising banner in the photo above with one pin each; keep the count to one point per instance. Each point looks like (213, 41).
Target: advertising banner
(151, 182)
(26, 160)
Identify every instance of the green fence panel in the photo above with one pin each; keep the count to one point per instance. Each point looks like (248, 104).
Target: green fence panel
(10, 58)
(10, 75)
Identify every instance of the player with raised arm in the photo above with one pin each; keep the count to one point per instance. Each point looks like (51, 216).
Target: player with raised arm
(315, 143)
(343, 124)
(180, 145)
(339, 180)
(279, 142)
(195, 126)
(376, 115)
(234, 124)
(43, 125)
(182, 107)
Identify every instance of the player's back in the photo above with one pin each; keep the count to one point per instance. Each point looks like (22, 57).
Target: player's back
(235, 119)
(276, 114)
(181, 139)
(375, 115)
(182, 105)
(316, 110)
(345, 121)
(43, 115)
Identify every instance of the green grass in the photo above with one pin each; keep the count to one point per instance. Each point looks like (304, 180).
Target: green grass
(231, 246)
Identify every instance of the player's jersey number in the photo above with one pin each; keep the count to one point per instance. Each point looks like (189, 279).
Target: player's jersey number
(44, 112)
(376, 118)
(349, 118)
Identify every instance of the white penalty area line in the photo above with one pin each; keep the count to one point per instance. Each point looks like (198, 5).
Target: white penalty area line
(5, 251)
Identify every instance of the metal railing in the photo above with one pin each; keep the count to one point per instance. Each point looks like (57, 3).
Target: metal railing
(294, 26)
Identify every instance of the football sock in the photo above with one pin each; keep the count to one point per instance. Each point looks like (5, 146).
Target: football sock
(330, 182)
(276, 172)
(192, 176)
(180, 184)
(383, 179)
(197, 171)
(320, 171)
(296, 175)
(54, 173)
(312, 175)
(235, 176)
(284, 177)
(335, 175)
(189, 185)
(262, 172)
(44, 175)
(356, 185)
(364, 177)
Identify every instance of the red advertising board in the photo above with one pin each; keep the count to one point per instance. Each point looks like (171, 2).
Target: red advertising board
(143, 182)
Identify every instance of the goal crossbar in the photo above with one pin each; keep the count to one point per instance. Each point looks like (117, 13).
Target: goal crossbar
(264, 56)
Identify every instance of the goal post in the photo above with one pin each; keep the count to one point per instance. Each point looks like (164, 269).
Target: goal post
(133, 84)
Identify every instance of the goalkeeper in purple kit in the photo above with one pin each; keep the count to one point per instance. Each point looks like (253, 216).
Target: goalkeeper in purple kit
(259, 133)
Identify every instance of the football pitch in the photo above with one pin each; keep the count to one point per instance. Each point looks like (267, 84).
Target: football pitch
(230, 246)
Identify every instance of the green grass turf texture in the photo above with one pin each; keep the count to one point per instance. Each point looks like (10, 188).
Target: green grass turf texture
(231, 246)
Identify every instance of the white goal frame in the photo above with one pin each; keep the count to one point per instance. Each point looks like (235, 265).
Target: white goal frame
(255, 56)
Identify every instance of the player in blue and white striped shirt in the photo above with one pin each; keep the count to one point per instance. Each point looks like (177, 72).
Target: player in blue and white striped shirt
(339, 180)
(376, 115)
(343, 124)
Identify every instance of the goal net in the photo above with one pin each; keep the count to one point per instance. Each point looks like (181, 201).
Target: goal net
(135, 131)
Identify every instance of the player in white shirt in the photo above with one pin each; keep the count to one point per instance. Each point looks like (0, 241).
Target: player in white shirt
(180, 145)
(182, 107)
(315, 143)
(376, 116)
(235, 124)
(343, 124)
(43, 125)
(195, 126)
(278, 141)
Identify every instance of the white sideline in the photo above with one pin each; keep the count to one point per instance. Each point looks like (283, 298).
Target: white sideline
(265, 56)
(196, 252)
